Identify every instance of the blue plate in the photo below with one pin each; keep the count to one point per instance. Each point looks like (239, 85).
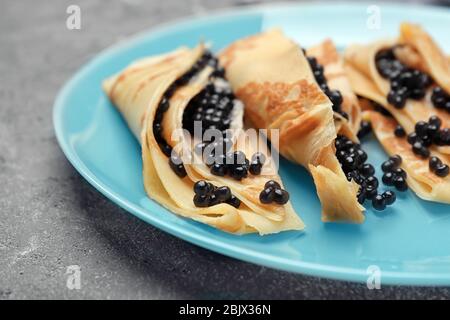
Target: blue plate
(409, 242)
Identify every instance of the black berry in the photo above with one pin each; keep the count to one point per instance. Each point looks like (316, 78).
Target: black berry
(388, 178)
(400, 183)
(396, 159)
(202, 187)
(361, 195)
(177, 168)
(272, 184)
(412, 137)
(233, 201)
(388, 165)
(420, 149)
(201, 200)
(370, 192)
(399, 131)
(255, 168)
(364, 129)
(239, 172)
(389, 197)
(421, 128)
(223, 193)
(441, 170)
(280, 196)
(367, 170)
(379, 202)
(267, 195)
(219, 169)
(434, 162)
(259, 157)
(371, 181)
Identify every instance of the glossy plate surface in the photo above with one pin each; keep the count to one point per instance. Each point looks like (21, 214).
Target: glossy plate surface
(409, 242)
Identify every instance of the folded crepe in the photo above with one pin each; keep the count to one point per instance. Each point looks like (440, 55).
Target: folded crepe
(271, 75)
(332, 62)
(416, 50)
(421, 180)
(172, 81)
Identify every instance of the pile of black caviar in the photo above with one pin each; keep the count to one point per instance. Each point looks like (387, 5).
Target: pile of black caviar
(163, 106)
(273, 192)
(439, 168)
(174, 160)
(364, 129)
(335, 96)
(207, 195)
(350, 155)
(212, 107)
(353, 162)
(394, 175)
(406, 83)
(426, 134)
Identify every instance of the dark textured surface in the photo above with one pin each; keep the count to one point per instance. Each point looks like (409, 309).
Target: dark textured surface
(51, 218)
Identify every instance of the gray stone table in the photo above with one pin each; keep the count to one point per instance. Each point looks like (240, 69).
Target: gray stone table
(51, 218)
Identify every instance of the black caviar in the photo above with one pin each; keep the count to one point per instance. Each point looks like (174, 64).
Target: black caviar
(442, 170)
(440, 99)
(393, 174)
(427, 133)
(399, 131)
(174, 161)
(379, 202)
(212, 107)
(389, 196)
(438, 167)
(353, 162)
(176, 165)
(400, 183)
(335, 96)
(405, 82)
(207, 195)
(273, 192)
(364, 129)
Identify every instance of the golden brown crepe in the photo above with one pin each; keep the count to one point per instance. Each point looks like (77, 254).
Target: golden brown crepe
(270, 74)
(328, 56)
(416, 49)
(136, 92)
(421, 180)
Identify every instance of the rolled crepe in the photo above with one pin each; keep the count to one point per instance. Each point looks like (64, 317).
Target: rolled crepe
(271, 75)
(328, 56)
(415, 49)
(136, 92)
(421, 180)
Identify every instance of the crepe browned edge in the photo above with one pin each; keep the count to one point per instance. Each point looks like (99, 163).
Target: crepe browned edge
(270, 74)
(328, 56)
(420, 179)
(147, 87)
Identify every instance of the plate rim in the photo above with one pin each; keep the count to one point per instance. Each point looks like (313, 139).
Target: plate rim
(300, 267)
